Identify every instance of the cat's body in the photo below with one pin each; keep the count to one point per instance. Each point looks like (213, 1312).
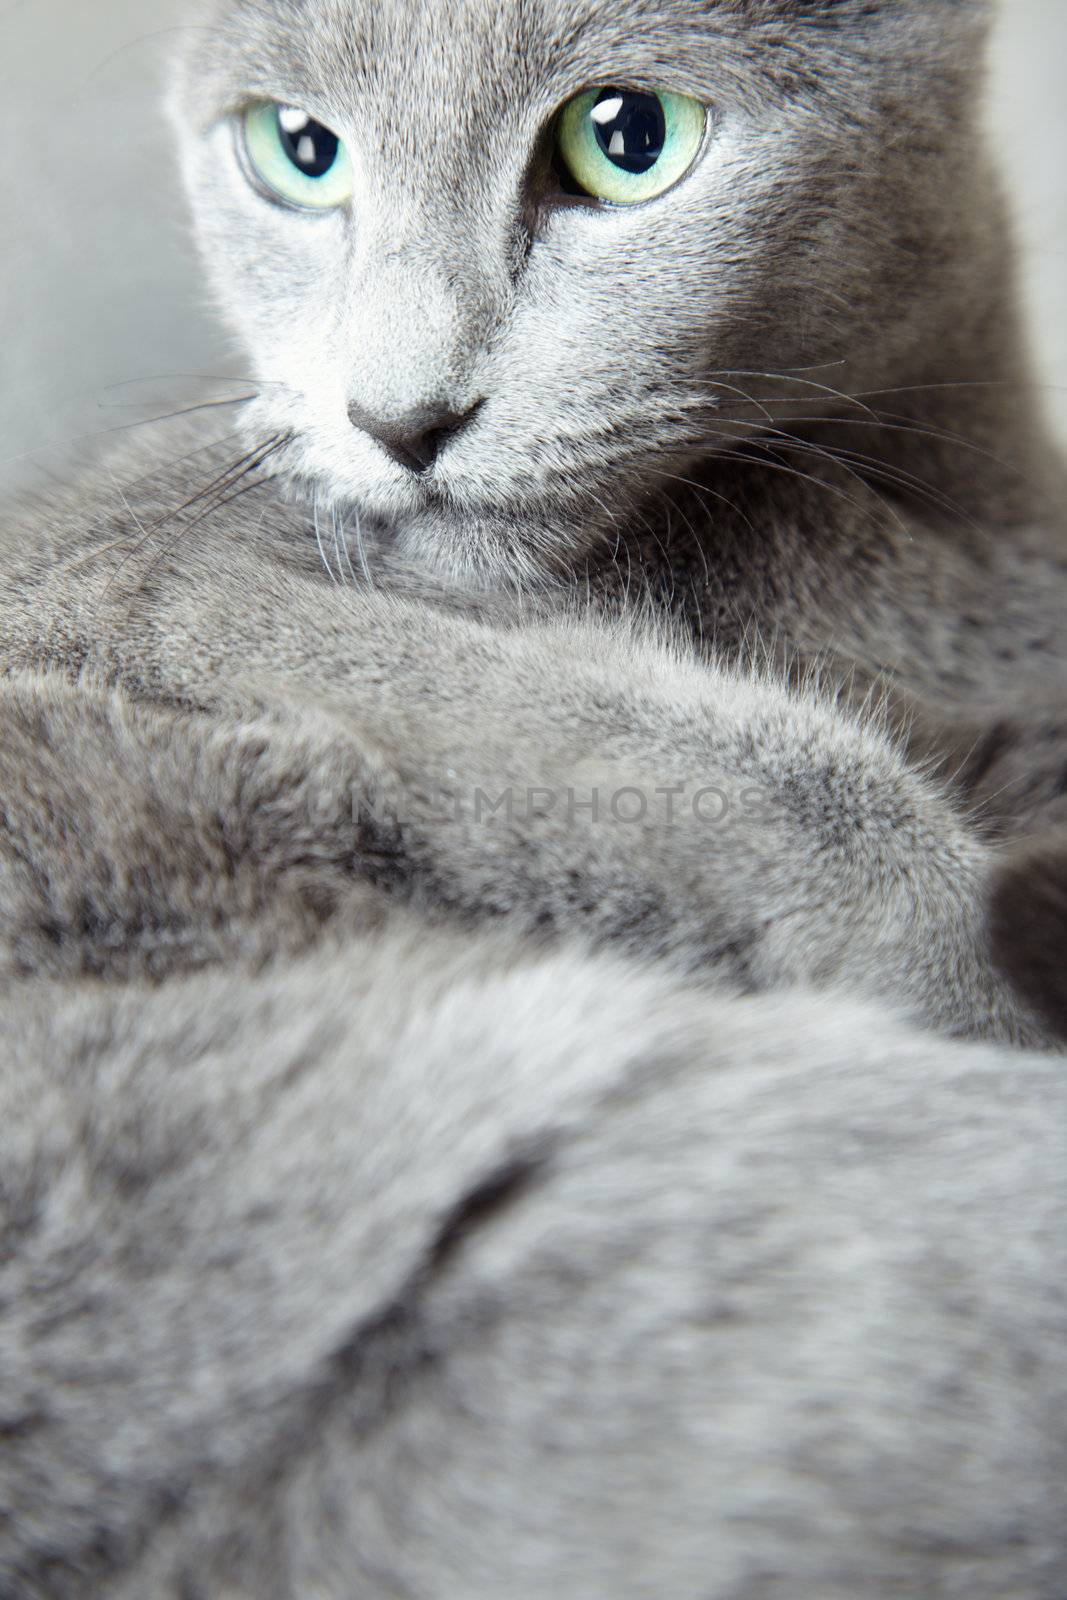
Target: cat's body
(478, 1115)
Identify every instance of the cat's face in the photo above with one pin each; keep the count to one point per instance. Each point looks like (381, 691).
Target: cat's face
(439, 269)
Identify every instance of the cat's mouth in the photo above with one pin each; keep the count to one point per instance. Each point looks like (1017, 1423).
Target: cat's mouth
(531, 532)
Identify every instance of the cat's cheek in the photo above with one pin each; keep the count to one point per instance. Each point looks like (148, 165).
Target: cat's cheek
(258, 250)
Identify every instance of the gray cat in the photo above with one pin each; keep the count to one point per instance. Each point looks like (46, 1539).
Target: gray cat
(530, 886)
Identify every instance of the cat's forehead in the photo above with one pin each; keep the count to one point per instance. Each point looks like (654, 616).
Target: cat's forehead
(360, 40)
(337, 48)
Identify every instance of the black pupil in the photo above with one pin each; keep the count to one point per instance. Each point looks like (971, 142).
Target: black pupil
(630, 128)
(310, 147)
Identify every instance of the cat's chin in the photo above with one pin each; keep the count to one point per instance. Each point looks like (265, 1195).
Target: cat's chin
(478, 547)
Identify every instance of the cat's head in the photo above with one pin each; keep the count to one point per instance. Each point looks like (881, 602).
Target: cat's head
(506, 266)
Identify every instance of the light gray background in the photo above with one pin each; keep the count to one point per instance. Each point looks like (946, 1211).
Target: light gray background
(100, 306)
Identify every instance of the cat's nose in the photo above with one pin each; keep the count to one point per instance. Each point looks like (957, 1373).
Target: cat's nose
(416, 439)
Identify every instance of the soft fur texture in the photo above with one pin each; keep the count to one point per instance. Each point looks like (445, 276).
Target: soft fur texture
(519, 1074)
(428, 1268)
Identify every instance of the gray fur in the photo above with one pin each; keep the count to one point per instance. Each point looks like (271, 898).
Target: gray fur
(429, 1269)
(416, 1179)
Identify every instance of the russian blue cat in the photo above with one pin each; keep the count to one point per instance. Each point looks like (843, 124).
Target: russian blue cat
(530, 876)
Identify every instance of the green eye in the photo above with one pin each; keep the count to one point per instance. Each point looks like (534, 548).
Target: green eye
(623, 146)
(297, 157)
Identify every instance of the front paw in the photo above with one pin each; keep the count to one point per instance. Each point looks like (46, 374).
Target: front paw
(137, 842)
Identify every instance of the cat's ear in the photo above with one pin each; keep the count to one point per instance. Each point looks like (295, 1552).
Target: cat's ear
(1028, 926)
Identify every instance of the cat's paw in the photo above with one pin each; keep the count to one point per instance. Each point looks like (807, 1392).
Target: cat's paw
(137, 842)
(1028, 925)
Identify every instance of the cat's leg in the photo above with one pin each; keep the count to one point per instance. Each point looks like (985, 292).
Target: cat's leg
(725, 827)
(585, 778)
(435, 1269)
(568, 779)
